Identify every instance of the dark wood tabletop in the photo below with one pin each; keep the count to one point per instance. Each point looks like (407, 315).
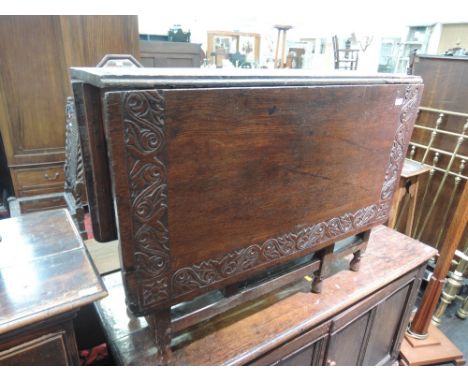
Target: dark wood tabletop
(45, 269)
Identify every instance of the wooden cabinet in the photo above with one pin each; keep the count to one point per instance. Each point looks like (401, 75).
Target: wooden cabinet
(37, 52)
(46, 275)
(358, 319)
(161, 54)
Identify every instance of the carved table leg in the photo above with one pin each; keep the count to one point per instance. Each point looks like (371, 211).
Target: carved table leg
(324, 254)
(356, 261)
(160, 324)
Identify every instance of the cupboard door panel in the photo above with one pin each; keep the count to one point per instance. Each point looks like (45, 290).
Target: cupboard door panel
(345, 345)
(385, 327)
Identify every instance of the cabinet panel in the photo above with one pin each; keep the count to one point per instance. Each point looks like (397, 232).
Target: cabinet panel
(385, 327)
(305, 350)
(48, 350)
(345, 345)
(32, 91)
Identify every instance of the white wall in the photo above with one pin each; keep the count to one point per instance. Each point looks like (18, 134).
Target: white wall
(310, 19)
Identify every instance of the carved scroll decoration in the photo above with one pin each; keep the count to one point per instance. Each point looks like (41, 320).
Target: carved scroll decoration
(145, 144)
(143, 122)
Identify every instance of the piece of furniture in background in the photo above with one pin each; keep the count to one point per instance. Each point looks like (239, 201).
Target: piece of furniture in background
(218, 188)
(424, 344)
(231, 43)
(74, 193)
(282, 30)
(46, 276)
(439, 140)
(170, 54)
(37, 52)
(407, 192)
(359, 319)
(346, 58)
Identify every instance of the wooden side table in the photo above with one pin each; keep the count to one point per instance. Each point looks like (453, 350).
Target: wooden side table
(407, 191)
(46, 275)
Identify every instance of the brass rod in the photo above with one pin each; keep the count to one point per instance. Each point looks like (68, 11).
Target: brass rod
(413, 152)
(429, 181)
(442, 182)
(433, 135)
(440, 151)
(448, 112)
(438, 131)
(452, 197)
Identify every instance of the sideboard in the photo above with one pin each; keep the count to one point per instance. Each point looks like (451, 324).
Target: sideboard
(358, 319)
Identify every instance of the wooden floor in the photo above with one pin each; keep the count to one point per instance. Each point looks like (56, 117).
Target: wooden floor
(104, 255)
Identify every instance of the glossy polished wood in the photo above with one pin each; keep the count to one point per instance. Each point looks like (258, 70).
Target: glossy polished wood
(219, 176)
(46, 275)
(289, 319)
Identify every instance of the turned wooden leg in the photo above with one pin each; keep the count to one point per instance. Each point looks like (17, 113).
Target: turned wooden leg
(356, 261)
(160, 324)
(325, 255)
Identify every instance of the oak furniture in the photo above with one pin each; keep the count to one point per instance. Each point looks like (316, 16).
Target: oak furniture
(74, 195)
(439, 140)
(359, 319)
(220, 179)
(407, 193)
(161, 54)
(46, 275)
(34, 84)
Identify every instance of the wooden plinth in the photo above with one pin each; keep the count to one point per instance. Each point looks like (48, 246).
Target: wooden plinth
(435, 349)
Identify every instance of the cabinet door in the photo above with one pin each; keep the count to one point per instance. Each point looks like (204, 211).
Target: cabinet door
(388, 318)
(370, 332)
(306, 350)
(345, 346)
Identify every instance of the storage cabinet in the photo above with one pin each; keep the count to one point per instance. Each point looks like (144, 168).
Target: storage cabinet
(358, 319)
(37, 52)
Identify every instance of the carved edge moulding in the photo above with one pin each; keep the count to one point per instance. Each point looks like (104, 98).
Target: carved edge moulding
(138, 153)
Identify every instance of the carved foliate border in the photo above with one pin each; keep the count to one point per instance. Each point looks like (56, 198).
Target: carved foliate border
(145, 146)
(145, 143)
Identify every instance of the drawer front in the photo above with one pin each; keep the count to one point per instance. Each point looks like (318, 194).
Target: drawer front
(38, 180)
(48, 350)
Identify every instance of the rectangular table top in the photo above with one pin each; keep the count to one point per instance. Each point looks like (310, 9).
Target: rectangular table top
(45, 269)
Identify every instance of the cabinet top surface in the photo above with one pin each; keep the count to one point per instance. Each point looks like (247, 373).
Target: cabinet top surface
(44, 269)
(200, 77)
(274, 318)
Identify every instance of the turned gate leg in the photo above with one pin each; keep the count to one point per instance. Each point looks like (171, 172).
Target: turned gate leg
(160, 324)
(356, 261)
(324, 254)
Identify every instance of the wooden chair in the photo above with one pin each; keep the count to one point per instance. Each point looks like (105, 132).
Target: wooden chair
(345, 58)
(74, 187)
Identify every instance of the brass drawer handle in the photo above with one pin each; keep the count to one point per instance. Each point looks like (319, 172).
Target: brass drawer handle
(48, 177)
